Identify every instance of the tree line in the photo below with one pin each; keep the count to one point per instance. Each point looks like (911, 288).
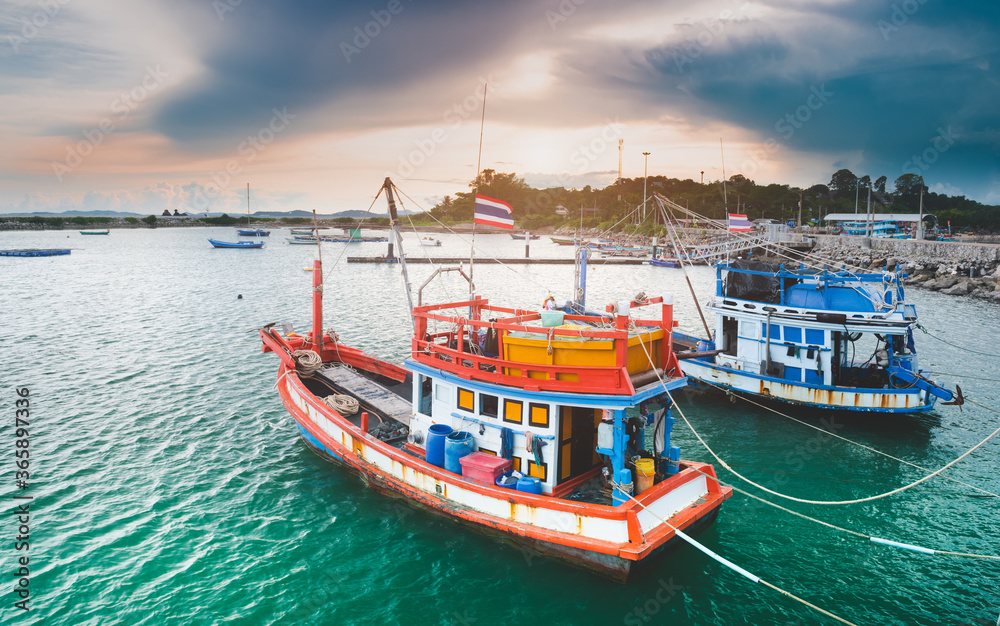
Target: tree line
(845, 193)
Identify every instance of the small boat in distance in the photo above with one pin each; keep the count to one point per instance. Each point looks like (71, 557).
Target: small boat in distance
(430, 241)
(236, 244)
(523, 236)
(534, 426)
(95, 232)
(250, 231)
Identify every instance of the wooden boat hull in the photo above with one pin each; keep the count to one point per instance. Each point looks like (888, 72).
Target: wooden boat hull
(604, 539)
(236, 244)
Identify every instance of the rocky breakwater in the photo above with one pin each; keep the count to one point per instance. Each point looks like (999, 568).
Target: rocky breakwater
(953, 268)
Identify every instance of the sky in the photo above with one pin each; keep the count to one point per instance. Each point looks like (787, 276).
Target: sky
(149, 105)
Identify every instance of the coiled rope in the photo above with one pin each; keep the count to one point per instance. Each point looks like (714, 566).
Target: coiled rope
(343, 404)
(307, 362)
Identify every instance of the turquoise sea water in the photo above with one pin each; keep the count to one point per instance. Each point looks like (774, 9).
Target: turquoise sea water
(169, 484)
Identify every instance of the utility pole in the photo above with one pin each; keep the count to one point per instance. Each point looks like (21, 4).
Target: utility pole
(920, 224)
(644, 173)
(800, 208)
(621, 143)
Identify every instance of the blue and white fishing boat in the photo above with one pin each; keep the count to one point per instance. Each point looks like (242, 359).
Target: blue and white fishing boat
(825, 339)
(235, 244)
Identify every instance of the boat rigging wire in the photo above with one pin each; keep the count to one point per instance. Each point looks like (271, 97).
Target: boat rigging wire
(461, 238)
(944, 341)
(736, 568)
(803, 500)
(344, 250)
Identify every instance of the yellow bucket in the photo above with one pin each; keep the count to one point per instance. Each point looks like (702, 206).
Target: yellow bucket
(645, 466)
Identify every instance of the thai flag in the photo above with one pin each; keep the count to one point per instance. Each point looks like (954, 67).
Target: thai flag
(739, 223)
(493, 212)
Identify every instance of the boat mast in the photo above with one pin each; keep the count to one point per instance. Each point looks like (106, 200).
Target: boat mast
(248, 206)
(394, 224)
(317, 292)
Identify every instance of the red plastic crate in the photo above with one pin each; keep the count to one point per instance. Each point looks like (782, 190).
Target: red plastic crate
(484, 468)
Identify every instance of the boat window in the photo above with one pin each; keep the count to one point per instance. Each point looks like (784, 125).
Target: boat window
(540, 472)
(538, 415)
(512, 411)
(515, 463)
(443, 393)
(815, 336)
(425, 395)
(489, 452)
(748, 329)
(465, 400)
(488, 405)
(775, 331)
(793, 334)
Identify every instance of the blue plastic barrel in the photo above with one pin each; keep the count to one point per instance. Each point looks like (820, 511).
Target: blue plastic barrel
(529, 484)
(456, 445)
(507, 480)
(435, 443)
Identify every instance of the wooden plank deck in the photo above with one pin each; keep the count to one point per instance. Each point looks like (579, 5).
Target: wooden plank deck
(369, 393)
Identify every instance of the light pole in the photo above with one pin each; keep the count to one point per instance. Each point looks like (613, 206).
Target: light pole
(702, 177)
(857, 190)
(645, 163)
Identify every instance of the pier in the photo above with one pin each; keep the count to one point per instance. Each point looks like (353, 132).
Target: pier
(511, 261)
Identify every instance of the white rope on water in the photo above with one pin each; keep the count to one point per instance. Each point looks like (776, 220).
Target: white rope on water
(905, 546)
(727, 562)
(803, 500)
(860, 445)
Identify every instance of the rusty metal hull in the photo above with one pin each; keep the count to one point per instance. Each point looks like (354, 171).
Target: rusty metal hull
(610, 566)
(815, 396)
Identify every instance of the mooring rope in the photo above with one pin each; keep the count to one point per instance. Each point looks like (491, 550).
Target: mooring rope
(870, 538)
(850, 441)
(803, 500)
(736, 568)
(946, 342)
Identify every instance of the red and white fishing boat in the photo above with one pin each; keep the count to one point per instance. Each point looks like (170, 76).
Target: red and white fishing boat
(566, 399)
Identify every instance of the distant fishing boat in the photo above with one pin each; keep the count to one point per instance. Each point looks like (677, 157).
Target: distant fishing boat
(301, 241)
(665, 262)
(242, 244)
(301, 231)
(430, 241)
(236, 244)
(95, 232)
(527, 425)
(523, 236)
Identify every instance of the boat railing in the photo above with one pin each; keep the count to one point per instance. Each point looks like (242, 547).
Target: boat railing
(525, 353)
